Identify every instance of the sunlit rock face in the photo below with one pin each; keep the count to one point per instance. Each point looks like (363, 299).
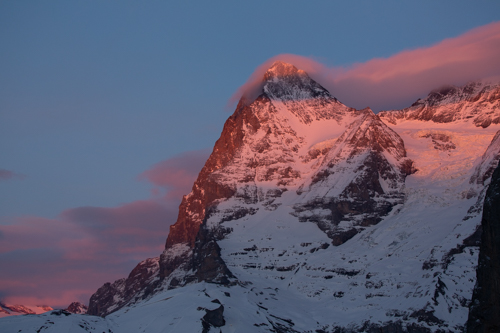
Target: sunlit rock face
(310, 215)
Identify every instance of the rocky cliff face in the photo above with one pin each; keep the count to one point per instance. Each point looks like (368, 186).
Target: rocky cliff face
(484, 313)
(138, 285)
(308, 206)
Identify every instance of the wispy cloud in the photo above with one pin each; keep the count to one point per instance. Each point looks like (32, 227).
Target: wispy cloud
(7, 174)
(175, 176)
(397, 81)
(65, 259)
(48, 260)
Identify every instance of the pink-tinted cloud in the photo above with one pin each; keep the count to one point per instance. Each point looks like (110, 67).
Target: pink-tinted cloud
(137, 229)
(57, 261)
(176, 175)
(7, 174)
(397, 81)
(65, 259)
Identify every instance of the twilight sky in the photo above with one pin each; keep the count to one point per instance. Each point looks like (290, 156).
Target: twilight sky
(109, 109)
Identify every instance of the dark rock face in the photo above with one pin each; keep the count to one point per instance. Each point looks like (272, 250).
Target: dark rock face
(112, 296)
(77, 307)
(213, 318)
(207, 261)
(484, 311)
(60, 312)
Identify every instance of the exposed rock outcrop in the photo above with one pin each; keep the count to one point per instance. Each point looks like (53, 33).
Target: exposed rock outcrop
(213, 318)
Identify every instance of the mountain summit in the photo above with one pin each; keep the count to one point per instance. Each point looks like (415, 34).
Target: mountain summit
(310, 216)
(280, 70)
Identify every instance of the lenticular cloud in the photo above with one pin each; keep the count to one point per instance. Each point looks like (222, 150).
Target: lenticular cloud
(397, 81)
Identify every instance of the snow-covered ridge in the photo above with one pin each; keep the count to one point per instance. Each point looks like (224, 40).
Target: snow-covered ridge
(477, 103)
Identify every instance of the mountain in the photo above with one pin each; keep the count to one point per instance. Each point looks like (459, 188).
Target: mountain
(311, 216)
(13, 310)
(77, 307)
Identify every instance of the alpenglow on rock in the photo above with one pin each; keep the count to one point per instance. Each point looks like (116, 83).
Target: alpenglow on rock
(311, 216)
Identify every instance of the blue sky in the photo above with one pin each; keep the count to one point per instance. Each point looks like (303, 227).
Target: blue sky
(95, 93)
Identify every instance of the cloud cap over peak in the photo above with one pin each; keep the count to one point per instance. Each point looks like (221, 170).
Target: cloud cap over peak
(397, 81)
(253, 87)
